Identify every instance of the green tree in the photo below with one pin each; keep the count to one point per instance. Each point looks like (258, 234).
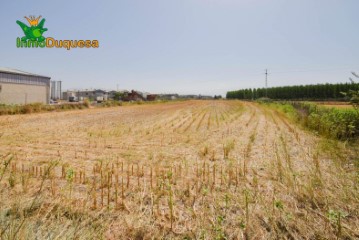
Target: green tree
(353, 92)
(119, 96)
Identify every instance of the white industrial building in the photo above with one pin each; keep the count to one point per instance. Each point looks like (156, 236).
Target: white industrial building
(19, 87)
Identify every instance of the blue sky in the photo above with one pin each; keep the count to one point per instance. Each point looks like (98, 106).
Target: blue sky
(188, 46)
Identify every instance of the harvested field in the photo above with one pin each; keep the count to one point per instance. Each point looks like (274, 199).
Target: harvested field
(333, 104)
(186, 170)
(343, 106)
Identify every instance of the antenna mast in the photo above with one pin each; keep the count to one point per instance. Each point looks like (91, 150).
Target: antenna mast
(266, 73)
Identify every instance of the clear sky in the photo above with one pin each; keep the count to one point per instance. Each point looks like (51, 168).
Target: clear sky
(188, 46)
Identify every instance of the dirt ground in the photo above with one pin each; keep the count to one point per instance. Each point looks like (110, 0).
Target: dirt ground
(191, 169)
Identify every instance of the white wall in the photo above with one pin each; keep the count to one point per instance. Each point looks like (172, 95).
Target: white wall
(12, 93)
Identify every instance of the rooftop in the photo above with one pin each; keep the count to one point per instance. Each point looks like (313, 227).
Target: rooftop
(15, 71)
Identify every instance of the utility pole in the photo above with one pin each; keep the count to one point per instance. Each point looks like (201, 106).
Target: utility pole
(266, 73)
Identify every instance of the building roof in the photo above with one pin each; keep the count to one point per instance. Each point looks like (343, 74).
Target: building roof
(15, 71)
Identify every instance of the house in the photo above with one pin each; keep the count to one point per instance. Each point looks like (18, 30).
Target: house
(134, 96)
(168, 96)
(90, 94)
(151, 97)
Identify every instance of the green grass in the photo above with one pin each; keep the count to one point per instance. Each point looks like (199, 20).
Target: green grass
(336, 123)
(38, 107)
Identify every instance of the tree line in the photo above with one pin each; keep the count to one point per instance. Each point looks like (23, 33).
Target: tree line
(300, 92)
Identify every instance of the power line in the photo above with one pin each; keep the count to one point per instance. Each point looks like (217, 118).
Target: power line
(315, 70)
